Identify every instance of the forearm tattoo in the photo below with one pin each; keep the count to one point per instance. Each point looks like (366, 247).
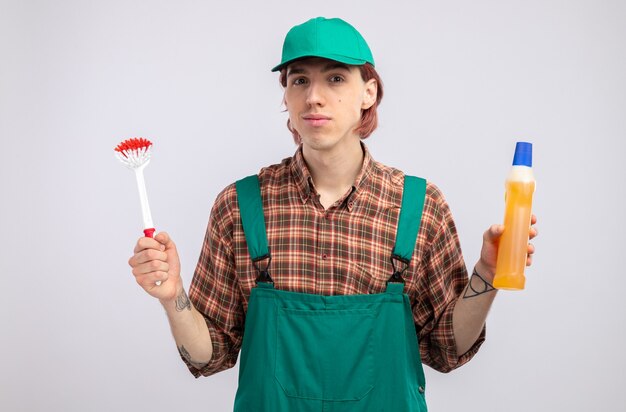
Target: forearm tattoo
(182, 302)
(187, 356)
(477, 286)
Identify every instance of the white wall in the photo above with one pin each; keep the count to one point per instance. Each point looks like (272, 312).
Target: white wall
(463, 81)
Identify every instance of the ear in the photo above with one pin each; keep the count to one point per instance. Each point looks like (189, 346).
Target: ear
(369, 94)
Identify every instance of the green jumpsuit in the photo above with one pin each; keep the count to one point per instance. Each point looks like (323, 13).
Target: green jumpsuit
(315, 353)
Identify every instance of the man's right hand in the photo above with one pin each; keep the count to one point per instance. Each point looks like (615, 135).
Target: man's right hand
(157, 260)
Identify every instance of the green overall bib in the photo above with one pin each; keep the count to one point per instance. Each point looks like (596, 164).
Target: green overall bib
(313, 353)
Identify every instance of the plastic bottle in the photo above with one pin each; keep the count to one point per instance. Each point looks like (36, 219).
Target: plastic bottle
(513, 246)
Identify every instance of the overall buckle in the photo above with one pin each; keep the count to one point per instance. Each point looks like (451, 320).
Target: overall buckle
(264, 274)
(396, 277)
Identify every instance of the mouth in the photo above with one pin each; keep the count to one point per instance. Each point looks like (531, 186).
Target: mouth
(316, 120)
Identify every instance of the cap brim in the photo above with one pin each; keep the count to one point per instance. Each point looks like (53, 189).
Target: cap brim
(340, 59)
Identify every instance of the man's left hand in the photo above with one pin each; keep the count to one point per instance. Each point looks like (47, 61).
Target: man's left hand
(486, 266)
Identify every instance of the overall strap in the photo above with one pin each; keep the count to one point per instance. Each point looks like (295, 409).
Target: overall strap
(253, 222)
(413, 196)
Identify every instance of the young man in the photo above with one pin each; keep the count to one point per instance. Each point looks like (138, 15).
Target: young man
(345, 273)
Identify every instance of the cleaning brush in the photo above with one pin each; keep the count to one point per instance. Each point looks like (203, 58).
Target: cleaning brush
(135, 154)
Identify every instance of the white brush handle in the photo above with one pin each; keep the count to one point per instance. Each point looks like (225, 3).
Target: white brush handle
(143, 197)
(145, 206)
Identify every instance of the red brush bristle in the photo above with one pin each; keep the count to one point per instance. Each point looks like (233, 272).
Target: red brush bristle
(133, 144)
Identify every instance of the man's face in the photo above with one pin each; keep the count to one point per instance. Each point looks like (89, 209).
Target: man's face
(325, 99)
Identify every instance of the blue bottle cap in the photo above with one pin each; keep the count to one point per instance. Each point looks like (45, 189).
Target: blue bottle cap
(523, 154)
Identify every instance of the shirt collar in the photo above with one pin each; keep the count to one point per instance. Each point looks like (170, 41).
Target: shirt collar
(301, 175)
(362, 183)
(304, 181)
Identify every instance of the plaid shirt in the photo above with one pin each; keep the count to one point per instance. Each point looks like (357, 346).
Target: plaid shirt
(343, 250)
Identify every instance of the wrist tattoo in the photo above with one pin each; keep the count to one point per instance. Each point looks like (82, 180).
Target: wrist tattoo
(182, 302)
(477, 288)
(187, 356)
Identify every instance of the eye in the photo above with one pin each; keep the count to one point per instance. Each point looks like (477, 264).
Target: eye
(298, 81)
(336, 79)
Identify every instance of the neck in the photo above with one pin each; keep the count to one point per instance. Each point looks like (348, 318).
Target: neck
(334, 171)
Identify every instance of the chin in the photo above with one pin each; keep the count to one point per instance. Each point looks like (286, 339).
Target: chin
(317, 137)
(318, 144)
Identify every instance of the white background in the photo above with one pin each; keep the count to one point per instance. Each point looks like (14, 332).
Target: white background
(463, 81)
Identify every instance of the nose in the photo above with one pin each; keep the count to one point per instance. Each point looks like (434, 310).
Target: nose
(315, 94)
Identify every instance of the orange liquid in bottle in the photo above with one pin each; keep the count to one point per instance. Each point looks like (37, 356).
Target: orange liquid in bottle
(513, 246)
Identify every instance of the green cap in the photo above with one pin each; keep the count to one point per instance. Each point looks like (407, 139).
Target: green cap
(332, 39)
